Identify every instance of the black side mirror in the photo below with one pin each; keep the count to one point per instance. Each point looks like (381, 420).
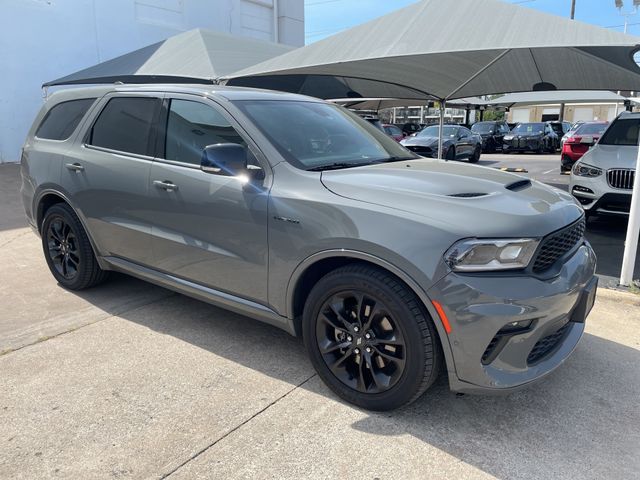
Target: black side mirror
(228, 159)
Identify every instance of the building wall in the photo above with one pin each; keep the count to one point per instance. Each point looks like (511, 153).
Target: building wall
(41, 40)
(572, 112)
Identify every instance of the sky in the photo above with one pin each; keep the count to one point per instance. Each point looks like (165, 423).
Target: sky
(326, 17)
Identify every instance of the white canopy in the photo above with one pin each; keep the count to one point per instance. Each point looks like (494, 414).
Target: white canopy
(524, 99)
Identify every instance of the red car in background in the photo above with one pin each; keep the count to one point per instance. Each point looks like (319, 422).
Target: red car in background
(393, 131)
(579, 141)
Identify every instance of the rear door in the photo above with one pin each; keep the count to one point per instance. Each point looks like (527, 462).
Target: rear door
(107, 175)
(207, 228)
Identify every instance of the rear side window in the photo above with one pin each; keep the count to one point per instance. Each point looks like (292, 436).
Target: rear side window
(61, 120)
(622, 132)
(125, 125)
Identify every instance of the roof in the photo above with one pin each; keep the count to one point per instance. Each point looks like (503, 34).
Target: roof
(427, 48)
(230, 93)
(194, 56)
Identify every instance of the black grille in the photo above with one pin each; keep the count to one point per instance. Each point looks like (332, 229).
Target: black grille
(557, 244)
(546, 345)
(621, 178)
(488, 353)
(420, 150)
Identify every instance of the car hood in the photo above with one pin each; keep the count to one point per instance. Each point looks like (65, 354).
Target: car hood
(471, 200)
(422, 141)
(611, 156)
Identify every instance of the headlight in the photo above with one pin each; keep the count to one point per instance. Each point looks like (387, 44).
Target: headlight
(583, 170)
(508, 137)
(476, 255)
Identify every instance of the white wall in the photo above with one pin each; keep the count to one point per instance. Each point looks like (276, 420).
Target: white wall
(41, 40)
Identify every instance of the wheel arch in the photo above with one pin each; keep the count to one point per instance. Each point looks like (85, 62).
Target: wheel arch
(48, 198)
(308, 272)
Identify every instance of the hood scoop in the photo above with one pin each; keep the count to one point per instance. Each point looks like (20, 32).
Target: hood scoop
(468, 195)
(519, 185)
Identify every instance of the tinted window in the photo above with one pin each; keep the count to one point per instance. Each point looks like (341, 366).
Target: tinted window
(622, 132)
(314, 135)
(393, 130)
(191, 126)
(484, 127)
(125, 125)
(530, 128)
(591, 128)
(61, 121)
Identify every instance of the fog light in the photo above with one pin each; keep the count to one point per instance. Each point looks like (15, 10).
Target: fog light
(516, 326)
(578, 188)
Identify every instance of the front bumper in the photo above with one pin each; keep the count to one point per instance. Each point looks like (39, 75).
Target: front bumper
(596, 196)
(479, 306)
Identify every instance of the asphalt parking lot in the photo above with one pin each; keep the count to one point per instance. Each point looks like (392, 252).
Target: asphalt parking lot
(606, 234)
(129, 380)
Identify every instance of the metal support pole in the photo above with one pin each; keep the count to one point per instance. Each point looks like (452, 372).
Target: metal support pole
(441, 129)
(633, 230)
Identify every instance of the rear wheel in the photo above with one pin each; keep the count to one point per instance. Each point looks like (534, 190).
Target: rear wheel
(369, 338)
(68, 251)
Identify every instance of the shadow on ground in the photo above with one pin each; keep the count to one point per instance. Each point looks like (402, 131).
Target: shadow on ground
(575, 424)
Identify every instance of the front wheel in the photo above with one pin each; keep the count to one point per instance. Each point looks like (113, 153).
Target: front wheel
(475, 158)
(369, 338)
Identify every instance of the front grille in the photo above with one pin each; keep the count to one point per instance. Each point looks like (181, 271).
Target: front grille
(420, 150)
(621, 178)
(545, 346)
(557, 244)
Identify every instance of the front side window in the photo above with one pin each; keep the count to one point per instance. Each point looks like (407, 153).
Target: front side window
(623, 131)
(192, 126)
(61, 121)
(125, 125)
(316, 136)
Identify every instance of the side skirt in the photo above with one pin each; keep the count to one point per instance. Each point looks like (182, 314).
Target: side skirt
(200, 292)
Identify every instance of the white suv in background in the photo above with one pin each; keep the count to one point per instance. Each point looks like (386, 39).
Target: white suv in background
(602, 180)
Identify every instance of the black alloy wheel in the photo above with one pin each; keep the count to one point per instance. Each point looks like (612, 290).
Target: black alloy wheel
(63, 249)
(360, 341)
(67, 249)
(370, 338)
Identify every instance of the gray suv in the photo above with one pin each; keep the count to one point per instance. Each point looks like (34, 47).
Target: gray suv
(392, 267)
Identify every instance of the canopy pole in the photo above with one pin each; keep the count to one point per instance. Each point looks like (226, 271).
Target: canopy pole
(440, 130)
(633, 230)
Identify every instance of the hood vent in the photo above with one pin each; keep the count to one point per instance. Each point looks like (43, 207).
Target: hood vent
(468, 195)
(519, 185)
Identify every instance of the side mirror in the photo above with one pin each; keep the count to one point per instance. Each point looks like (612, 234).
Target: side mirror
(229, 159)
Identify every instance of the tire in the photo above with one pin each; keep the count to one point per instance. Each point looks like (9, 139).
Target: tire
(67, 249)
(476, 155)
(451, 153)
(395, 314)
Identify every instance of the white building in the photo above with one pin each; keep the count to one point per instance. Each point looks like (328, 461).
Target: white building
(41, 40)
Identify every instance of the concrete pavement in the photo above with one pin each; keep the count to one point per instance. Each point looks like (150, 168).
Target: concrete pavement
(131, 381)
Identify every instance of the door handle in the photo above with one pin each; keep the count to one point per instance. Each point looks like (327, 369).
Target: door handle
(74, 167)
(165, 185)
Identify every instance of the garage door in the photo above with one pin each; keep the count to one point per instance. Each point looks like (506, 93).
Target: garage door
(583, 113)
(520, 115)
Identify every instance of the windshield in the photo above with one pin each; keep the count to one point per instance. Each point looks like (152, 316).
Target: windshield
(483, 127)
(434, 131)
(314, 136)
(591, 129)
(529, 128)
(622, 132)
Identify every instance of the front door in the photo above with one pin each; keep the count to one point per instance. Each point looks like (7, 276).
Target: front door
(209, 229)
(107, 175)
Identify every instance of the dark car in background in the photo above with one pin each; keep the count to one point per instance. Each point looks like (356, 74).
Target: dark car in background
(579, 141)
(393, 131)
(457, 143)
(492, 134)
(536, 137)
(409, 128)
(560, 129)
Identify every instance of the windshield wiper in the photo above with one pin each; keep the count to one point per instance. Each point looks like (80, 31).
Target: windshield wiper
(337, 166)
(395, 159)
